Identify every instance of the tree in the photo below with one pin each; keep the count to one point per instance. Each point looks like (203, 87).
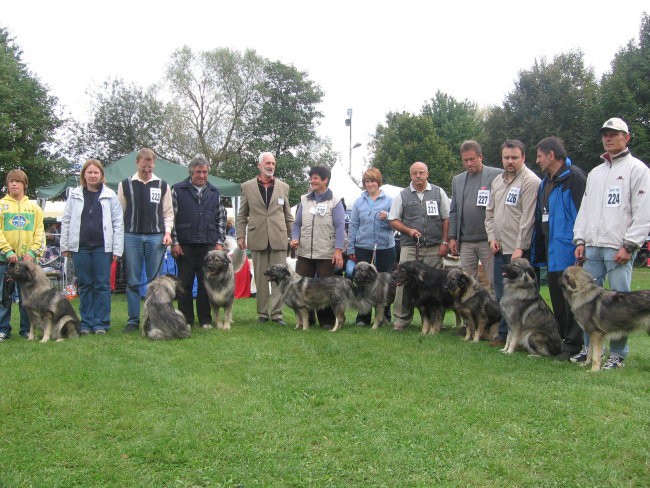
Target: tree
(405, 139)
(28, 121)
(454, 121)
(124, 118)
(625, 92)
(549, 99)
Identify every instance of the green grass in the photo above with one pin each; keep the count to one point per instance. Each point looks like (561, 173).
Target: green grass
(264, 405)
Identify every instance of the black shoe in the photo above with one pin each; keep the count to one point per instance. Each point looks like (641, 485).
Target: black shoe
(566, 355)
(262, 320)
(130, 328)
(279, 321)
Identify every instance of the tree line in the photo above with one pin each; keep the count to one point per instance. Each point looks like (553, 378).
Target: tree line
(230, 106)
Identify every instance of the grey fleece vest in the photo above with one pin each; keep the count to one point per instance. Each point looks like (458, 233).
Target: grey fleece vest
(414, 215)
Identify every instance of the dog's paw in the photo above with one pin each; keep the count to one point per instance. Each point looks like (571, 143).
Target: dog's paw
(43, 340)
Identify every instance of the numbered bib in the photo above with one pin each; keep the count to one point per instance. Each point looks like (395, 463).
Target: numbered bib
(482, 198)
(154, 195)
(513, 196)
(613, 196)
(432, 208)
(319, 209)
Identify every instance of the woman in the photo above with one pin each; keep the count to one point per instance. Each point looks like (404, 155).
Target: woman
(92, 232)
(318, 233)
(370, 236)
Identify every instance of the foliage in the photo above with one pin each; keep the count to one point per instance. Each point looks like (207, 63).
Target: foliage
(454, 121)
(28, 121)
(625, 92)
(405, 139)
(264, 405)
(548, 99)
(124, 118)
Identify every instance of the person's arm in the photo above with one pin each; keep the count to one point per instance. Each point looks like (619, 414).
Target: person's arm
(168, 216)
(121, 197)
(242, 219)
(117, 218)
(527, 222)
(353, 227)
(338, 218)
(221, 218)
(38, 237)
(489, 223)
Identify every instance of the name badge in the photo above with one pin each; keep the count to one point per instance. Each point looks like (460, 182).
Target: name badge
(432, 208)
(513, 196)
(154, 195)
(280, 201)
(320, 209)
(613, 196)
(482, 198)
(545, 217)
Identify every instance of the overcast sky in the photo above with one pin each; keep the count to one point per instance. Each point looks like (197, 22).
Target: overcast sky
(371, 56)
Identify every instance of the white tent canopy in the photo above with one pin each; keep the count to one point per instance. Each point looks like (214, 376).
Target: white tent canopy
(343, 186)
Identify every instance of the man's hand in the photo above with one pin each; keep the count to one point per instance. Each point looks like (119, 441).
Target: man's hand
(167, 239)
(443, 250)
(579, 253)
(294, 243)
(453, 246)
(241, 242)
(517, 253)
(26, 257)
(337, 259)
(622, 256)
(177, 250)
(494, 247)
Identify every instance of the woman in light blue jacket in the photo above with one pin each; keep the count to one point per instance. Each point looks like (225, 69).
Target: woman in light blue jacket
(370, 236)
(92, 233)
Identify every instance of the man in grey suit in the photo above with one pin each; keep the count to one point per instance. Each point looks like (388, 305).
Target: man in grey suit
(469, 197)
(264, 226)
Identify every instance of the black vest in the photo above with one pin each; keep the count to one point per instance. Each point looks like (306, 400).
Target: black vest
(144, 214)
(414, 215)
(195, 222)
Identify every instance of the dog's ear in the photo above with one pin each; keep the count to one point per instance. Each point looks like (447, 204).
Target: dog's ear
(531, 273)
(463, 280)
(569, 279)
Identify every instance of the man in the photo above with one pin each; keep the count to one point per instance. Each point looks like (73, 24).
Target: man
(420, 213)
(21, 239)
(558, 201)
(469, 197)
(510, 215)
(612, 223)
(199, 227)
(264, 226)
(148, 222)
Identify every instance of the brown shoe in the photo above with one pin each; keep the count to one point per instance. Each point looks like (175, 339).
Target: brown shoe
(497, 343)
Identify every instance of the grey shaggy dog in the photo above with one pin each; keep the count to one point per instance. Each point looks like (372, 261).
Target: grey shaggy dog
(160, 320)
(46, 308)
(219, 279)
(372, 289)
(531, 323)
(305, 294)
(603, 313)
(474, 304)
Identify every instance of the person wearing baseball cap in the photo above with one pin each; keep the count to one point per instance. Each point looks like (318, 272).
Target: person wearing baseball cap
(613, 222)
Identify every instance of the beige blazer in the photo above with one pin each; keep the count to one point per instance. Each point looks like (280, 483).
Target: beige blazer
(266, 226)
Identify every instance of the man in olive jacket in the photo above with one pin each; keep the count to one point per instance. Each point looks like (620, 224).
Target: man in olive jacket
(264, 226)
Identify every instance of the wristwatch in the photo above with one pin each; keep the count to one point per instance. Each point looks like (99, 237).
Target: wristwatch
(629, 247)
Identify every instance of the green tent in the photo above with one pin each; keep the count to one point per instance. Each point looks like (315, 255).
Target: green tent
(125, 167)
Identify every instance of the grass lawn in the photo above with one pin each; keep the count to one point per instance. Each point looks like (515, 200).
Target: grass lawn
(264, 405)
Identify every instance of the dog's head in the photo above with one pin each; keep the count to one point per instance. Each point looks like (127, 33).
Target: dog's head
(216, 263)
(22, 271)
(410, 273)
(364, 273)
(519, 270)
(575, 278)
(165, 288)
(458, 281)
(277, 273)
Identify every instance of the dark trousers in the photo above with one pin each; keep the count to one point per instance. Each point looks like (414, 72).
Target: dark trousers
(322, 268)
(384, 261)
(189, 266)
(570, 331)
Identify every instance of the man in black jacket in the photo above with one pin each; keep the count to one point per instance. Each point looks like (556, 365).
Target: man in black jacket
(199, 227)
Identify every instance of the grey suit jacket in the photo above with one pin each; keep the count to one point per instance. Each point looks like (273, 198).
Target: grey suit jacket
(458, 194)
(266, 226)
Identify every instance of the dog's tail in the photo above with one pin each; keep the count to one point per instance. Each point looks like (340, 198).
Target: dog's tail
(238, 258)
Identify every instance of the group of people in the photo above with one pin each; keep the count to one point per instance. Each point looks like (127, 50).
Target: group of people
(493, 217)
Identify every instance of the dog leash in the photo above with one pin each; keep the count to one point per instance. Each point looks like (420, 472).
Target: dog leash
(131, 287)
(417, 248)
(581, 262)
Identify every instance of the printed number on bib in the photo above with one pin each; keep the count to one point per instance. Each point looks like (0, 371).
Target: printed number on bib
(154, 195)
(432, 208)
(614, 196)
(482, 198)
(513, 196)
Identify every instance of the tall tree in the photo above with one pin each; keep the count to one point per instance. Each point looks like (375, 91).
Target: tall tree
(28, 120)
(549, 99)
(625, 91)
(454, 121)
(124, 117)
(406, 138)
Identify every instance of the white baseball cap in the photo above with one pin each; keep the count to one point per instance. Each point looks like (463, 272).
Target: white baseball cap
(615, 124)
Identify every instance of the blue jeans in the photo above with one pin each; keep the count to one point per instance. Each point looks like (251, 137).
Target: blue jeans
(140, 250)
(598, 261)
(5, 313)
(93, 268)
(499, 261)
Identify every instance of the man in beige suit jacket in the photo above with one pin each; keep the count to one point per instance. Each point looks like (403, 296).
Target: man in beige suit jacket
(264, 226)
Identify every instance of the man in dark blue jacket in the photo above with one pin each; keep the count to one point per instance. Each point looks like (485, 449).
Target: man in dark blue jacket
(199, 227)
(558, 201)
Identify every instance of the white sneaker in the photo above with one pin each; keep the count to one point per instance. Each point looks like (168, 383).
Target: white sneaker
(3, 337)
